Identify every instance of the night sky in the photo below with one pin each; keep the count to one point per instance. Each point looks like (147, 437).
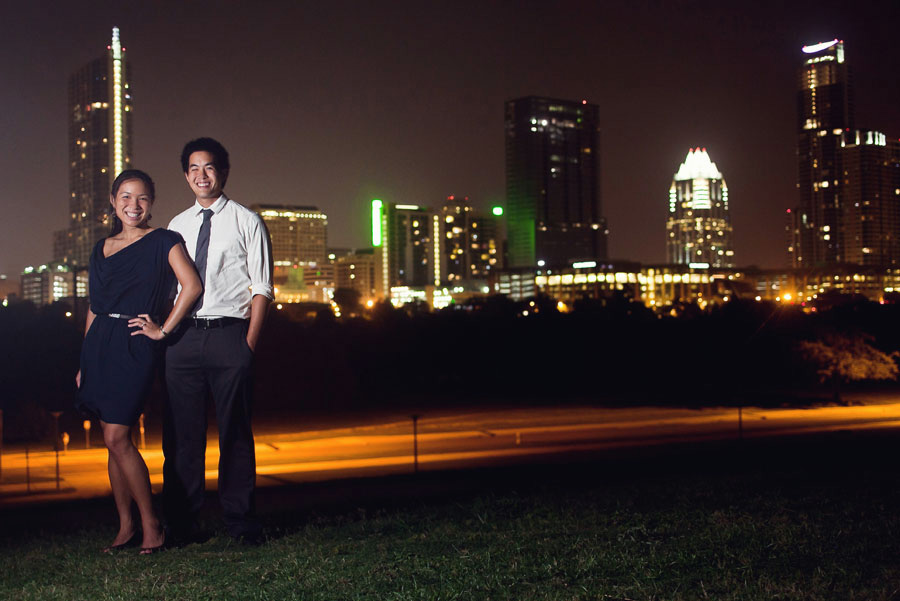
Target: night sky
(333, 103)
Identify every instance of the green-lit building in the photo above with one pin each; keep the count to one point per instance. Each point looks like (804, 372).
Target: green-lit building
(553, 209)
(408, 239)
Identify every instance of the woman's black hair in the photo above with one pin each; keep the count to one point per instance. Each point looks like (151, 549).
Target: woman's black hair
(125, 176)
(133, 174)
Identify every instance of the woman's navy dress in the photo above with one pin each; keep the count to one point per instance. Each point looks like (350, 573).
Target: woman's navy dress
(117, 368)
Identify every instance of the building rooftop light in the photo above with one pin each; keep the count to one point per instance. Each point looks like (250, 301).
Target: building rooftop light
(697, 164)
(813, 48)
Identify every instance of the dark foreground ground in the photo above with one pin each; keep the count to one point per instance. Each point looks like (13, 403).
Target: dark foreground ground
(800, 518)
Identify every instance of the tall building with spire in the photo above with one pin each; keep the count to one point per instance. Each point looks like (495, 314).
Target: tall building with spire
(825, 110)
(99, 116)
(698, 229)
(848, 179)
(553, 211)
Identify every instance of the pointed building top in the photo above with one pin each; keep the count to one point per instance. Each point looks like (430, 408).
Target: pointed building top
(697, 165)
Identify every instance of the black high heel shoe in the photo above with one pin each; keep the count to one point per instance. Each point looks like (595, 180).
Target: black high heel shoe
(160, 547)
(131, 542)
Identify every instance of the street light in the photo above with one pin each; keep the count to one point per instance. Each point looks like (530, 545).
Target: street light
(87, 433)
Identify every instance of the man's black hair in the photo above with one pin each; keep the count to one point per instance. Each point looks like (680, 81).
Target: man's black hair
(213, 147)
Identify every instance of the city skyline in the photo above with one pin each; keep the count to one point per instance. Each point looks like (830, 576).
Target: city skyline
(353, 116)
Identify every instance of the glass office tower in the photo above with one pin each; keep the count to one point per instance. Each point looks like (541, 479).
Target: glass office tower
(553, 206)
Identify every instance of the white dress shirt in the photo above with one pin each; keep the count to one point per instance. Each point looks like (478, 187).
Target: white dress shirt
(239, 264)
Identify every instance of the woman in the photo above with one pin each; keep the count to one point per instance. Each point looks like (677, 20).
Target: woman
(132, 273)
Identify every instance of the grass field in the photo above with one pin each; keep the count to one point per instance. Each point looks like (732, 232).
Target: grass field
(812, 518)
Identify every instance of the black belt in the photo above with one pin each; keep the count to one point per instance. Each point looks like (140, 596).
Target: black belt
(218, 322)
(125, 317)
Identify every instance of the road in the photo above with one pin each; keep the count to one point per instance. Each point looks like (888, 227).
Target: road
(445, 440)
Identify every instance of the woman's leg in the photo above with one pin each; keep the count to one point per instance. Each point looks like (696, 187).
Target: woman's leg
(122, 495)
(136, 478)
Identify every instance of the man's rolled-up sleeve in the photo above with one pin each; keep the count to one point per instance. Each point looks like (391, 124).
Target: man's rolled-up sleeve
(259, 259)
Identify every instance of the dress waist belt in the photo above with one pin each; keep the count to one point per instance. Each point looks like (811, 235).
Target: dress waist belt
(127, 317)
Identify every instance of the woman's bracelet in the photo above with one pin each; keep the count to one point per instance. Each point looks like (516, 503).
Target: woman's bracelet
(164, 333)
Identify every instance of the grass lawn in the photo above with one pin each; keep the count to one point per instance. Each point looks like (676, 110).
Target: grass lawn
(812, 518)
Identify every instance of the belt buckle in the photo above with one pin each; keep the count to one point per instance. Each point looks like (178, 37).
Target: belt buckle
(205, 324)
(115, 315)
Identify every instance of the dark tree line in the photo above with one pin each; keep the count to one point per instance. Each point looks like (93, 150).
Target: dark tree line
(607, 351)
(38, 362)
(611, 351)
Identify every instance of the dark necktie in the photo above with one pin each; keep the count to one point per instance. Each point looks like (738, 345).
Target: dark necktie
(201, 253)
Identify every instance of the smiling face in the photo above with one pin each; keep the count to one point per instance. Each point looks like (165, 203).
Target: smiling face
(132, 203)
(204, 178)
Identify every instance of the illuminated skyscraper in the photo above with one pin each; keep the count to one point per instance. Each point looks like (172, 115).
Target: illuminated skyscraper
(824, 113)
(408, 238)
(99, 121)
(553, 207)
(871, 198)
(360, 271)
(848, 179)
(698, 230)
(48, 284)
(299, 234)
(469, 243)
(299, 238)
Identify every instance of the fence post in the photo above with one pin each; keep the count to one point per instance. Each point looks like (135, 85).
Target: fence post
(415, 419)
(27, 471)
(56, 415)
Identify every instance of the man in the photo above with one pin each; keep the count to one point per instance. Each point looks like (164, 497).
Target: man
(213, 352)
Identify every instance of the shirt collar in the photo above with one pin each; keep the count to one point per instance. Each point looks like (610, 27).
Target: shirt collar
(216, 206)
